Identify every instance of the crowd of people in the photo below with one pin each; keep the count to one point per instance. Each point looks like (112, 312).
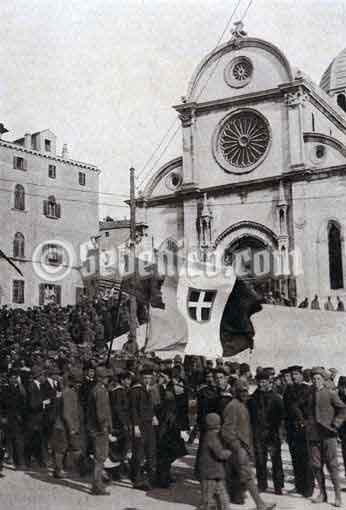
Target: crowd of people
(66, 406)
(275, 298)
(329, 306)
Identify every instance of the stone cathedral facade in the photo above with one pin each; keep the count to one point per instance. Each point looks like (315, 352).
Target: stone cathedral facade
(263, 170)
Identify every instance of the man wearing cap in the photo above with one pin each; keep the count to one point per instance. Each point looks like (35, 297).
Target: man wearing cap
(144, 423)
(303, 475)
(120, 407)
(100, 426)
(224, 389)
(237, 435)
(323, 413)
(72, 415)
(266, 414)
(50, 390)
(34, 428)
(13, 400)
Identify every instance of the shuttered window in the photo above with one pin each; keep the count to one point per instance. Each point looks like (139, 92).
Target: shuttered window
(51, 208)
(18, 291)
(20, 163)
(49, 294)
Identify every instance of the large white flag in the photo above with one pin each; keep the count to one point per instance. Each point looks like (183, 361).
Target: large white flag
(202, 294)
(195, 301)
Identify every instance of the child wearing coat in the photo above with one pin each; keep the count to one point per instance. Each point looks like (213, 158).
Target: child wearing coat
(211, 467)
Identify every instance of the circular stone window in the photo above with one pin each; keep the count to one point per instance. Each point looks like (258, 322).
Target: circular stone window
(242, 141)
(173, 181)
(318, 154)
(239, 72)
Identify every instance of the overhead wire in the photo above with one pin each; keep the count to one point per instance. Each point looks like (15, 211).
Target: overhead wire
(64, 199)
(146, 175)
(121, 196)
(213, 204)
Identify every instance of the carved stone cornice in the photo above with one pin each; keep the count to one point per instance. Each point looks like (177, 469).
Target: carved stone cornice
(247, 186)
(297, 98)
(186, 118)
(52, 157)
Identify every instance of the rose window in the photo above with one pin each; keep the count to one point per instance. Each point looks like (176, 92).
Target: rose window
(243, 140)
(241, 71)
(238, 72)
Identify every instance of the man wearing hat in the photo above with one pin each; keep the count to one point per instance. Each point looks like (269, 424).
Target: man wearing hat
(303, 476)
(120, 407)
(72, 414)
(266, 414)
(34, 428)
(237, 435)
(99, 422)
(144, 423)
(14, 409)
(323, 413)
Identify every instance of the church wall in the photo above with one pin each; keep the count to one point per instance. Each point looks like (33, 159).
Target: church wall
(268, 73)
(163, 224)
(314, 205)
(208, 172)
(322, 124)
(257, 206)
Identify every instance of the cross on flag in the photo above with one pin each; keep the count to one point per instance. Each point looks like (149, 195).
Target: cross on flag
(200, 304)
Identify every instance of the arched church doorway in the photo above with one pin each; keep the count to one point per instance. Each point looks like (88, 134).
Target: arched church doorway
(258, 263)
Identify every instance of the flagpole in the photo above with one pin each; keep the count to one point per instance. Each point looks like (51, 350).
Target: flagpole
(133, 301)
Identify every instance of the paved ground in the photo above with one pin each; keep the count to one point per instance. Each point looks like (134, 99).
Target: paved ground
(33, 490)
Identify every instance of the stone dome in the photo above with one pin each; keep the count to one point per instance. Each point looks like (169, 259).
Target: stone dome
(334, 78)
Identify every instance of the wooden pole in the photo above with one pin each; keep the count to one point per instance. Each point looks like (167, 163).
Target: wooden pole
(133, 301)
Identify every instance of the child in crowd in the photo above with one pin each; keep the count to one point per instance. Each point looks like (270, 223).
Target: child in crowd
(211, 467)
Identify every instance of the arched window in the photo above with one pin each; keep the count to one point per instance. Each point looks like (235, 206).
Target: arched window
(18, 245)
(19, 197)
(282, 221)
(341, 100)
(335, 256)
(51, 208)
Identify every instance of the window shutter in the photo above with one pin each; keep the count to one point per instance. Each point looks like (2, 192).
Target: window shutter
(41, 294)
(58, 210)
(15, 248)
(14, 161)
(25, 164)
(45, 207)
(58, 294)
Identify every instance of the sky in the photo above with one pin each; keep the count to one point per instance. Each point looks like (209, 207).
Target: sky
(103, 74)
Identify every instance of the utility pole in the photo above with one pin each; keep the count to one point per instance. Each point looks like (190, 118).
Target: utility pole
(133, 301)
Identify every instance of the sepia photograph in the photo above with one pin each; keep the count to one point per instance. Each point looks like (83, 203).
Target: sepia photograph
(172, 255)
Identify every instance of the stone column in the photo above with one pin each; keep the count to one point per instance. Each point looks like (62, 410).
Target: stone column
(187, 120)
(295, 103)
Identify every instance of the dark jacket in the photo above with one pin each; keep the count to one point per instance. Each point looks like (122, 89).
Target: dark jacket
(141, 405)
(14, 408)
(50, 391)
(181, 394)
(266, 414)
(207, 402)
(212, 457)
(35, 399)
(99, 417)
(120, 407)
